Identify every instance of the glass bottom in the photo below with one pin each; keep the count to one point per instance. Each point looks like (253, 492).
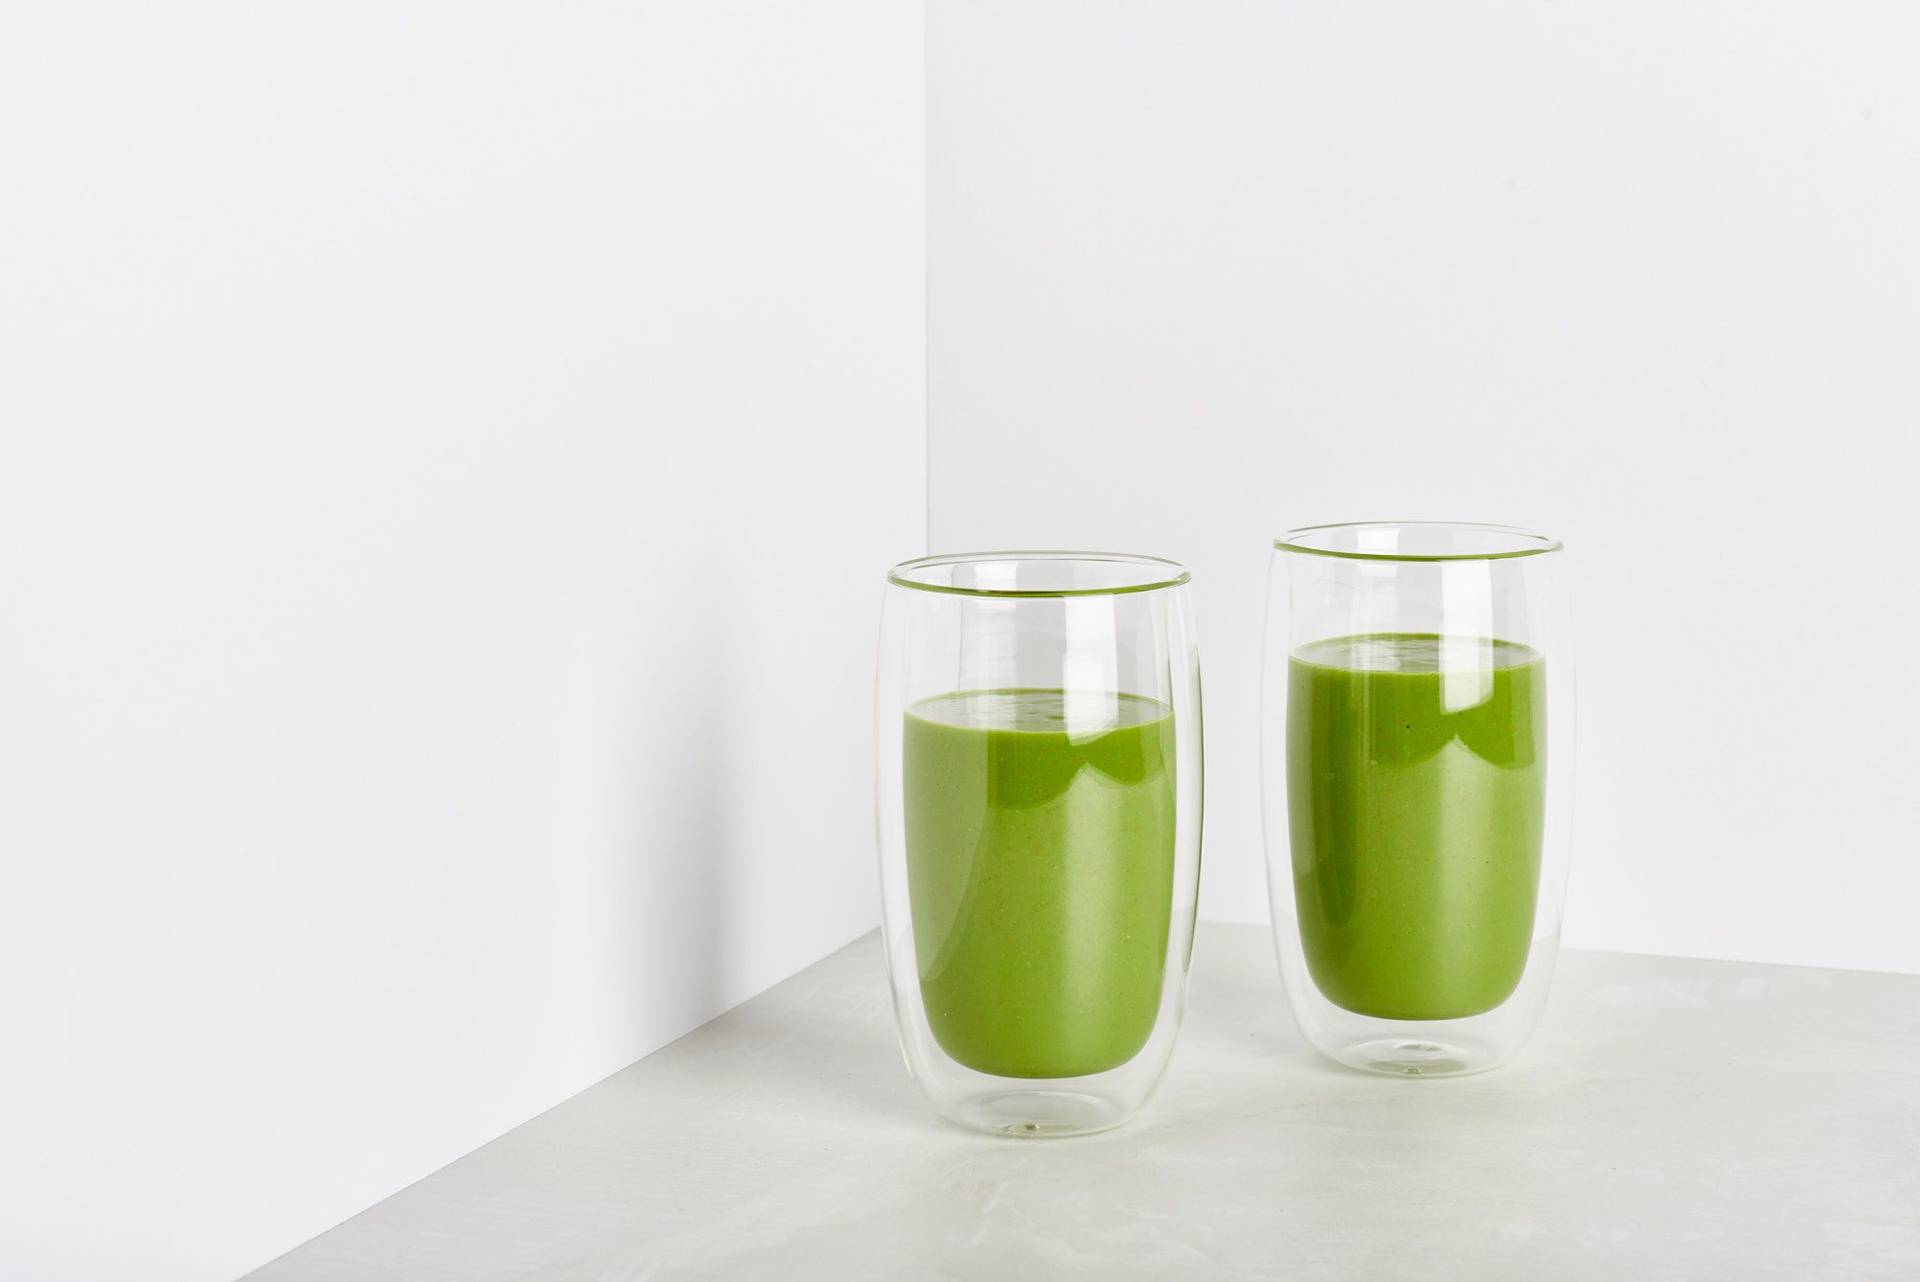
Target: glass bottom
(1418, 1056)
(1036, 1114)
(1416, 1047)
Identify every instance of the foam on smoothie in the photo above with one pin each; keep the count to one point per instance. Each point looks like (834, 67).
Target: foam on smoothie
(1414, 652)
(1040, 711)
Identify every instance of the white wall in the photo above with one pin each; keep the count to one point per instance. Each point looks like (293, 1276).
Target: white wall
(448, 456)
(1642, 274)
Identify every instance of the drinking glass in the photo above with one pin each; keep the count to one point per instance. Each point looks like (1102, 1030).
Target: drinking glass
(1039, 791)
(1417, 779)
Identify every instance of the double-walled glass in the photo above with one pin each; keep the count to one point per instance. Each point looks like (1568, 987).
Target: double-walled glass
(1417, 761)
(1039, 786)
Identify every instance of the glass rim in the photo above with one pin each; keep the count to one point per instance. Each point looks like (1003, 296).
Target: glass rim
(1541, 543)
(1167, 574)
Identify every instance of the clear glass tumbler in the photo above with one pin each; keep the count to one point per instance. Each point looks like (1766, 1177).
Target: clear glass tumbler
(1039, 792)
(1417, 777)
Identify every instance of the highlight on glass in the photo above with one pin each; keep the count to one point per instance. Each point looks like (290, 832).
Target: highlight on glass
(1039, 796)
(1417, 774)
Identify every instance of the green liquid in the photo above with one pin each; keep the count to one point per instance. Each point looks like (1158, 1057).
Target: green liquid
(1416, 777)
(1040, 830)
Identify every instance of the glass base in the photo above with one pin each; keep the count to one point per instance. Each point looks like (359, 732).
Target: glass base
(1418, 1056)
(1415, 1047)
(1036, 1114)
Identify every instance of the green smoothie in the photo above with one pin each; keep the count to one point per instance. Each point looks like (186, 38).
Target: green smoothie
(1040, 829)
(1416, 782)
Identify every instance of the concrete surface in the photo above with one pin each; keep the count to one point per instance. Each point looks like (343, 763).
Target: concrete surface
(1672, 1119)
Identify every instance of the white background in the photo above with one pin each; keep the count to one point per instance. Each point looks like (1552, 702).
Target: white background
(447, 455)
(448, 458)
(1643, 274)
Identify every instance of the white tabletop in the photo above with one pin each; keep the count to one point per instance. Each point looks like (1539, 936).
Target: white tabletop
(1672, 1119)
